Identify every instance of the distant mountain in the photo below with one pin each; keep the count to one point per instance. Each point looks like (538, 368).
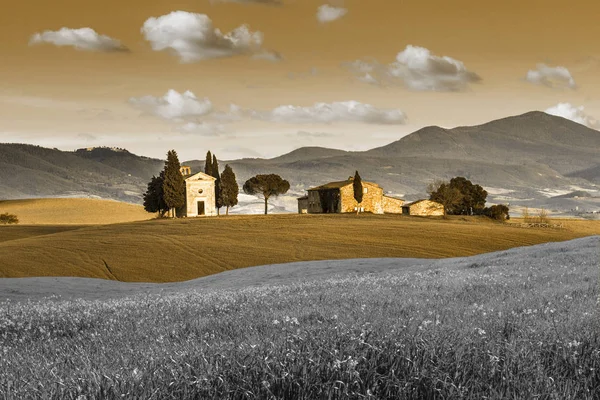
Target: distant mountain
(33, 171)
(523, 155)
(530, 157)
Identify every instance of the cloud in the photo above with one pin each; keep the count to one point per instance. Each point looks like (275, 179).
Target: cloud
(551, 76)
(266, 2)
(173, 105)
(347, 111)
(305, 134)
(576, 114)
(327, 13)
(193, 38)
(82, 39)
(417, 69)
(202, 128)
(272, 56)
(188, 108)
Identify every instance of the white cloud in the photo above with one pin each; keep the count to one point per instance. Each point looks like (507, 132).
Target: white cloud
(192, 37)
(576, 114)
(202, 128)
(82, 39)
(346, 111)
(417, 69)
(174, 105)
(327, 13)
(551, 76)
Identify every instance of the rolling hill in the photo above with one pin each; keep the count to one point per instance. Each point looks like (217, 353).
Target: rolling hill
(524, 159)
(176, 250)
(28, 171)
(67, 211)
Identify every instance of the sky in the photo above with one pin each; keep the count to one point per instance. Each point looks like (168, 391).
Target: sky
(259, 78)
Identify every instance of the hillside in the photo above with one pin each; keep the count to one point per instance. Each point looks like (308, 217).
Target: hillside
(28, 171)
(67, 211)
(525, 155)
(523, 160)
(176, 250)
(518, 324)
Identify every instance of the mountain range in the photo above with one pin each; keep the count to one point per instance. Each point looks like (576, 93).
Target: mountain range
(529, 157)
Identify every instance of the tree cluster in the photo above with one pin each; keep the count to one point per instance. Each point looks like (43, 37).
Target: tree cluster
(167, 192)
(459, 196)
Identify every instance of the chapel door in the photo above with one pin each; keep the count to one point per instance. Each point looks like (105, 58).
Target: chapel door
(200, 208)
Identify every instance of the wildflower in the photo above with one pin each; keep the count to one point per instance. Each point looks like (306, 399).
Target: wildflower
(480, 331)
(275, 322)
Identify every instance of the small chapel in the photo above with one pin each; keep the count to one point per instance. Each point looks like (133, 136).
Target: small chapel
(199, 194)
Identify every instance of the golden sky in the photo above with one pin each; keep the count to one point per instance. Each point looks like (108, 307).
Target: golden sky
(62, 97)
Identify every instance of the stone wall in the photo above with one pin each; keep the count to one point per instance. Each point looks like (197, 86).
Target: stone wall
(425, 208)
(371, 202)
(199, 188)
(392, 205)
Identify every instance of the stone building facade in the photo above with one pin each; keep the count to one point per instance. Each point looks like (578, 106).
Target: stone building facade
(199, 195)
(338, 197)
(423, 208)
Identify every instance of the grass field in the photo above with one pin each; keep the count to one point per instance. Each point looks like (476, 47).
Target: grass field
(520, 324)
(176, 250)
(67, 211)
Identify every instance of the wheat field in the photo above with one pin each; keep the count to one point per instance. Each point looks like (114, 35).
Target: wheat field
(183, 249)
(71, 211)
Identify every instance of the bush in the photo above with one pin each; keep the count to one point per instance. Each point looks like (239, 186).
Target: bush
(7, 219)
(498, 212)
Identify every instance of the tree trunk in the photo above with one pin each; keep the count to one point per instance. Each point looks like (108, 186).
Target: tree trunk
(227, 210)
(266, 200)
(357, 209)
(218, 211)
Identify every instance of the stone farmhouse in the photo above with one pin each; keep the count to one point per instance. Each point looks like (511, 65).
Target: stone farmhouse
(199, 194)
(423, 208)
(338, 197)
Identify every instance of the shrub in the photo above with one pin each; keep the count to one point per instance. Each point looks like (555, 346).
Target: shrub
(498, 212)
(7, 219)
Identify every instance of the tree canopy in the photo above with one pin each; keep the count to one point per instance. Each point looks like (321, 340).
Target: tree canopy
(229, 188)
(473, 197)
(441, 192)
(173, 184)
(267, 186)
(154, 201)
(459, 196)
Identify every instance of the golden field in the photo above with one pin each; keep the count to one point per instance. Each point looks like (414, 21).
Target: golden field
(68, 211)
(183, 249)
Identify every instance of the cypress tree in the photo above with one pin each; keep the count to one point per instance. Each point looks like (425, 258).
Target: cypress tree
(358, 190)
(215, 174)
(208, 169)
(229, 188)
(174, 184)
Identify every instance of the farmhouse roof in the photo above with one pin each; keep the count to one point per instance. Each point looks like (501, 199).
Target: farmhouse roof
(199, 176)
(340, 184)
(419, 201)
